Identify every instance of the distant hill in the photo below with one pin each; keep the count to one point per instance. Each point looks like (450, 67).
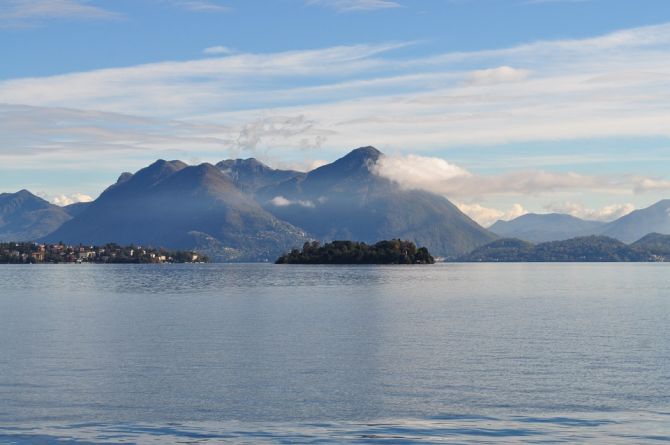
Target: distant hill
(538, 228)
(635, 225)
(250, 174)
(583, 249)
(169, 204)
(654, 243)
(26, 217)
(346, 200)
(556, 227)
(501, 250)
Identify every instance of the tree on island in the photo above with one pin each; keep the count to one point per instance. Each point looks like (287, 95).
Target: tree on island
(351, 252)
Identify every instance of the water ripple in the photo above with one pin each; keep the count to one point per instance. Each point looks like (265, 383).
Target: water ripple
(618, 428)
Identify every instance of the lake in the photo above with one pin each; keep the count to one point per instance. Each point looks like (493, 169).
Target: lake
(258, 353)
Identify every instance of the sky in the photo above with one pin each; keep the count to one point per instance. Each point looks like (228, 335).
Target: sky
(503, 106)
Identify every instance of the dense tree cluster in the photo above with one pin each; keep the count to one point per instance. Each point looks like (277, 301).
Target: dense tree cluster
(582, 249)
(655, 243)
(351, 252)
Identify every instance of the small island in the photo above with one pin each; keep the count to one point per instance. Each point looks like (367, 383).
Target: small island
(351, 252)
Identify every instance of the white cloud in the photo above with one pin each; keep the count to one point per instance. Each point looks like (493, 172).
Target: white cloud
(607, 213)
(280, 201)
(356, 5)
(648, 184)
(486, 216)
(219, 50)
(418, 172)
(27, 12)
(491, 76)
(442, 177)
(64, 200)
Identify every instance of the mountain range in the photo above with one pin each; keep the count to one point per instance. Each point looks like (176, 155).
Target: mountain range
(538, 228)
(244, 210)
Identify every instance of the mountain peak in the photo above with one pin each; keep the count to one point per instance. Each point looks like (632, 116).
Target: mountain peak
(251, 174)
(249, 164)
(356, 164)
(26, 217)
(24, 196)
(162, 164)
(23, 193)
(368, 153)
(124, 177)
(159, 170)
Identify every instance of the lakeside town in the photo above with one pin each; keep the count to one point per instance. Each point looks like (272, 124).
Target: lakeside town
(34, 253)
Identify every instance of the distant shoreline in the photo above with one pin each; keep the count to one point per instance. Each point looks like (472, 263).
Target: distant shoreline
(111, 253)
(653, 248)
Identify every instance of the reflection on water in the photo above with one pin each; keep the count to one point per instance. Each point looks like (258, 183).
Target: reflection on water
(197, 353)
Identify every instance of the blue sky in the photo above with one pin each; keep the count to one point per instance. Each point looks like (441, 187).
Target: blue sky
(504, 106)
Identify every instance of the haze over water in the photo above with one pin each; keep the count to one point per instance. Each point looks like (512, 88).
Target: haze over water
(255, 353)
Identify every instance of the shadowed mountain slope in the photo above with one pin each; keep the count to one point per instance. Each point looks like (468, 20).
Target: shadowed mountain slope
(345, 200)
(173, 205)
(26, 217)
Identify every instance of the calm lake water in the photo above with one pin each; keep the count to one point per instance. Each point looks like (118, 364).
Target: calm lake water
(476, 353)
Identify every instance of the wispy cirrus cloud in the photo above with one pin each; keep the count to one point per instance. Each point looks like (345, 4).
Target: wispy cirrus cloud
(201, 5)
(356, 5)
(20, 13)
(541, 2)
(219, 50)
(24, 13)
(611, 85)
